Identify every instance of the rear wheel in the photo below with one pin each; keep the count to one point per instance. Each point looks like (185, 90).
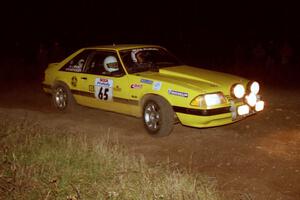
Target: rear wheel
(62, 98)
(158, 116)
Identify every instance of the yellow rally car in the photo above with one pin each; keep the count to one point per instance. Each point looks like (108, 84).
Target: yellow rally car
(147, 81)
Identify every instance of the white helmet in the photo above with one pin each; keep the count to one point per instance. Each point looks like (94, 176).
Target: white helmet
(111, 64)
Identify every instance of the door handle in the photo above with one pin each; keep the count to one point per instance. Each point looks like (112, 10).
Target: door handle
(84, 78)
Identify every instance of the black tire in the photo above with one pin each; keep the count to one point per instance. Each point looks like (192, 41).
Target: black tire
(158, 116)
(62, 98)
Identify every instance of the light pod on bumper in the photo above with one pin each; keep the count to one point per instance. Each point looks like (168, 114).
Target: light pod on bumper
(238, 91)
(259, 106)
(251, 99)
(253, 87)
(243, 110)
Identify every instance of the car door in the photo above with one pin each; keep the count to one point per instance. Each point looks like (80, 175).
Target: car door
(104, 88)
(72, 72)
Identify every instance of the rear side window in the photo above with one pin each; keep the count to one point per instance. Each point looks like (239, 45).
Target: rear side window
(104, 63)
(77, 63)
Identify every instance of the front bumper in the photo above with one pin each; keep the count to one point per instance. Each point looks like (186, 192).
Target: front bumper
(216, 117)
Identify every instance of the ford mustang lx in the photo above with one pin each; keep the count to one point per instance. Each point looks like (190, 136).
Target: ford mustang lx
(148, 82)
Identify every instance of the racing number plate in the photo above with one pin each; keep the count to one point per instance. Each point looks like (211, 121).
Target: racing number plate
(103, 89)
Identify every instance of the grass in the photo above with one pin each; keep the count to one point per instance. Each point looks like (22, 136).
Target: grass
(43, 163)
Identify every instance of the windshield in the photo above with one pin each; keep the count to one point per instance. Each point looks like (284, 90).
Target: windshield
(150, 58)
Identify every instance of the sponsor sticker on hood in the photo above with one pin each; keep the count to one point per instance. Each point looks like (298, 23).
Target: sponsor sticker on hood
(177, 93)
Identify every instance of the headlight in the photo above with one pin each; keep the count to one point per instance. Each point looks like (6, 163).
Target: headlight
(208, 100)
(253, 86)
(212, 99)
(238, 91)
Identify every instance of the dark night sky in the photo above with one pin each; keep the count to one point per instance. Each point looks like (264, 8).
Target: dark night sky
(211, 26)
(147, 19)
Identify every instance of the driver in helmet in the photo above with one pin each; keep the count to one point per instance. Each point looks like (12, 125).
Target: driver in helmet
(111, 64)
(140, 58)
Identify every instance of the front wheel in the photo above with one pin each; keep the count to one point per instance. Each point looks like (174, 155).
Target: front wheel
(158, 116)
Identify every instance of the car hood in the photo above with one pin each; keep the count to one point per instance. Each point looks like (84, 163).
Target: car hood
(196, 78)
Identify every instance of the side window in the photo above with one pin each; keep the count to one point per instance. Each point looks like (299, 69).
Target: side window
(104, 63)
(77, 64)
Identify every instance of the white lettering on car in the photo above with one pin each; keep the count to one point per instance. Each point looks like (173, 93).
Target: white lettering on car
(177, 93)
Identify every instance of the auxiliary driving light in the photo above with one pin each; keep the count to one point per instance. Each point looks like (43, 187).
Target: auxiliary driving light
(254, 87)
(243, 110)
(251, 99)
(259, 106)
(238, 91)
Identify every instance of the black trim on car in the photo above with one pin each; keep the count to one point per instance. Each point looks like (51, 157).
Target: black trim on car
(82, 93)
(115, 99)
(201, 112)
(126, 101)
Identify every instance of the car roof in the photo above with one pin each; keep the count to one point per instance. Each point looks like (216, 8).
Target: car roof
(121, 46)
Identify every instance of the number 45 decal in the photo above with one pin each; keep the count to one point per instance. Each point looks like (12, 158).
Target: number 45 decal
(103, 93)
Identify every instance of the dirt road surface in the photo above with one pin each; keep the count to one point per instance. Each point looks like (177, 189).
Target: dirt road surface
(255, 159)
